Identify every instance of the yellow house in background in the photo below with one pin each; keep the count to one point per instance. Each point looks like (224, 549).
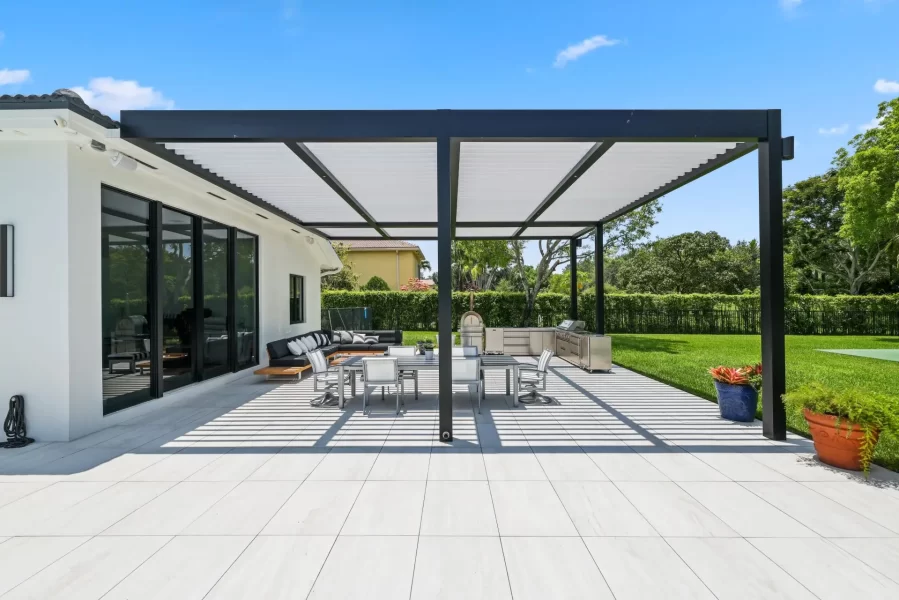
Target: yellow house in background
(393, 261)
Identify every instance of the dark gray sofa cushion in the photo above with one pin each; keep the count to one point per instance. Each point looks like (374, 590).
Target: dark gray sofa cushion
(278, 348)
(289, 361)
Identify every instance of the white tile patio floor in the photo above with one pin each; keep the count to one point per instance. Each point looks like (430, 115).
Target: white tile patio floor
(625, 488)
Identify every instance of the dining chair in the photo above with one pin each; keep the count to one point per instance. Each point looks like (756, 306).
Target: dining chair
(381, 372)
(467, 371)
(405, 351)
(322, 373)
(530, 376)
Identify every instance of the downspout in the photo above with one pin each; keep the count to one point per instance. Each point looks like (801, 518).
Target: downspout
(397, 269)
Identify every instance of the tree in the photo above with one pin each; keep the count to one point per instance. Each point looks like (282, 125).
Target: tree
(476, 263)
(346, 278)
(869, 180)
(825, 259)
(691, 263)
(376, 284)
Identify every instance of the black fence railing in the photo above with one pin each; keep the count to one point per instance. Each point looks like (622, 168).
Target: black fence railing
(797, 322)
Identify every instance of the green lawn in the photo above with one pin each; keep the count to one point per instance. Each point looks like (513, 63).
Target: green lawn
(682, 361)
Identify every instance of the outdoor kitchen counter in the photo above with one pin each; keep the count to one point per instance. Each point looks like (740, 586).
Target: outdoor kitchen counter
(520, 341)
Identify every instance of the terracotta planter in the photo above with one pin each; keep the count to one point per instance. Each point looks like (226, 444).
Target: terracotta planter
(837, 447)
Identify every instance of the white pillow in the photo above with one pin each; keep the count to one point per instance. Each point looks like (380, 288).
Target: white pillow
(371, 338)
(358, 339)
(322, 339)
(346, 337)
(312, 339)
(299, 342)
(295, 348)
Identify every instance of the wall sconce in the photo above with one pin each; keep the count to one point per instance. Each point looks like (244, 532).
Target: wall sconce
(6, 261)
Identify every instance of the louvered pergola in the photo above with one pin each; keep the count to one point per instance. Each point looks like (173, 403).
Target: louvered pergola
(482, 174)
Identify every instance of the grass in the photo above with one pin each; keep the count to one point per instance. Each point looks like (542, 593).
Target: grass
(682, 361)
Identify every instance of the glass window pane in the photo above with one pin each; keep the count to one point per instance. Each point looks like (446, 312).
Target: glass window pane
(245, 319)
(297, 302)
(178, 315)
(125, 267)
(215, 299)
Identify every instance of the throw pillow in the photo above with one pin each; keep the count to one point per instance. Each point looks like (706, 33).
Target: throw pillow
(371, 339)
(322, 338)
(358, 339)
(310, 341)
(318, 338)
(346, 337)
(299, 342)
(295, 348)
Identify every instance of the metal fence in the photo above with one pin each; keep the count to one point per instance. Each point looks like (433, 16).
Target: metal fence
(347, 319)
(797, 322)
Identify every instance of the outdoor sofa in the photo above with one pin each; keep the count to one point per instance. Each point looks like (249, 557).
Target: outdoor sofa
(280, 356)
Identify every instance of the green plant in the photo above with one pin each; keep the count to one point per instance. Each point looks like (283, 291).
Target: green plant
(750, 375)
(376, 284)
(872, 412)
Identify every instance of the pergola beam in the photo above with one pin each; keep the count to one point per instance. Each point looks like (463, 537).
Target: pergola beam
(587, 161)
(445, 289)
(317, 167)
(455, 154)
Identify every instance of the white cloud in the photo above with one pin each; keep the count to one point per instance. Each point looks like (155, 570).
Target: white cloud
(575, 51)
(11, 76)
(790, 4)
(884, 86)
(110, 96)
(838, 130)
(875, 122)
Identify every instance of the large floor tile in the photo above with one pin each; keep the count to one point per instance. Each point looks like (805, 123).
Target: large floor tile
(46, 503)
(819, 513)
(598, 508)
(881, 554)
(178, 467)
(529, 508)
(569, 466)
(738, 467)
(826, 570)
(735, 570)
(10, 492)
(626, 465)
(316, 508)
(172, 511)
(237, 465)
(458, 508)
(344, 466)
(552, 567)
(672, 511)
(440, 561)
(22, 557)
(875, 503)
(287, 465)
(682, 466)
(387, 508)
(245, 510)
(90, 570)
(513, 466)
(274, 568)
(456, 466)
(744, 512)
(801, 467)
(401, 466)
(638, 568)
(186, 568)
(371, 567)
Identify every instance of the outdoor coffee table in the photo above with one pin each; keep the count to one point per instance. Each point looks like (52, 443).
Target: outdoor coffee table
(508, 364)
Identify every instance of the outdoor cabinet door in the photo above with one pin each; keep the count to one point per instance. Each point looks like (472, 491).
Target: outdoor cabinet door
(494, 342)
(549, 340)
(536, 343)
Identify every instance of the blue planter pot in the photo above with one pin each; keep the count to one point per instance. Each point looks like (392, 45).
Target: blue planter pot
(736, 402)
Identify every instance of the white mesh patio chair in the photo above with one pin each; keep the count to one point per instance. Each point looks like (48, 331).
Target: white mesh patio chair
(326, 375)
(467, 371)
(461, 351)
(381, 372)
(532, 376)
(404, 351)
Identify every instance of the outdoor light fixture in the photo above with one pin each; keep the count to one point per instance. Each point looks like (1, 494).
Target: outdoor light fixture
(122, 161)
(788, 146)
(6, 261)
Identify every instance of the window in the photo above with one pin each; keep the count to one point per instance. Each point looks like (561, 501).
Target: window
(178, 321)
(216, 349)
(245, 311)
(297, 299)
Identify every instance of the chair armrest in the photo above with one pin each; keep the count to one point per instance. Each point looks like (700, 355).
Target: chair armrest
(527, 367)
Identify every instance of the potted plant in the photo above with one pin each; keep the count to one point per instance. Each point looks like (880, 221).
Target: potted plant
(738, 391)
(845, 424)
(427, 348)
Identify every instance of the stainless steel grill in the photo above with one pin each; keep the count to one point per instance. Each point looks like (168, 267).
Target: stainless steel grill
(471, 330)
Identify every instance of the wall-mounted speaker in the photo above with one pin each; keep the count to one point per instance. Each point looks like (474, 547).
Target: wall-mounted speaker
(6, 260)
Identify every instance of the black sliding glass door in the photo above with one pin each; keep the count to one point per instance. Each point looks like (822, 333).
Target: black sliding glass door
(245, 273)
(216, 324)
(178, 312)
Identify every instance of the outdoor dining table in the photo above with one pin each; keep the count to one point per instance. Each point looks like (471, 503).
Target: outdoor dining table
(489, 362)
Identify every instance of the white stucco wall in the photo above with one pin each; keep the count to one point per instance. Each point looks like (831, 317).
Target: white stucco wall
(51, 331)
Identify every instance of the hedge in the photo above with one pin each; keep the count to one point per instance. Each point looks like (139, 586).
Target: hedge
(635, 313)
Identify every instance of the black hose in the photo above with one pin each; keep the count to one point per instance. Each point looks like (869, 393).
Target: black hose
(14, 425)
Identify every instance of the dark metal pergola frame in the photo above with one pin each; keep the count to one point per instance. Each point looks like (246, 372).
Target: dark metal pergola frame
(752, 129)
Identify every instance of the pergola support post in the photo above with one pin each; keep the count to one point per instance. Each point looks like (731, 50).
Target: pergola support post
(600, 288)
(771, 250)
(445, 288)
(572, 250)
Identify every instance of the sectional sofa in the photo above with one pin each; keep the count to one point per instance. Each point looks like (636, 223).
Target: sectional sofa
(280, 356)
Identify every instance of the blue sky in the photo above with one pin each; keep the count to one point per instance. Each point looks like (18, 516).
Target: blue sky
(818, 60)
